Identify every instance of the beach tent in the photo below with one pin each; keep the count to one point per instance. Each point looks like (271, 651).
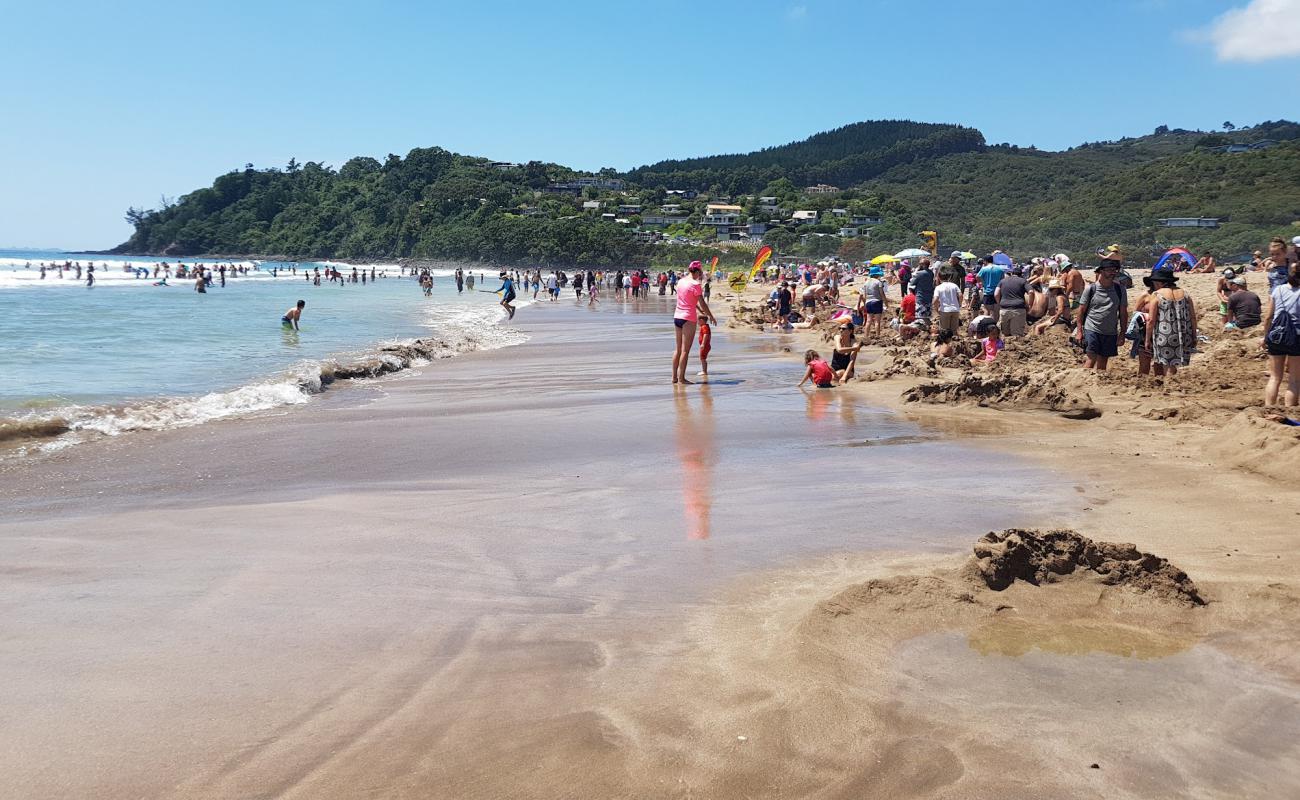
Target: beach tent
(884, 258)
(1176, 252)
(912, 252)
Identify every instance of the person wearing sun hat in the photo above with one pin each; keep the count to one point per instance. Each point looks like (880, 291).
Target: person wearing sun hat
(1171, 326)
(872, 302)
(1103, 312)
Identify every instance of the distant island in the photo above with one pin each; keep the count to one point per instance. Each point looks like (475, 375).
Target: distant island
(856, 191)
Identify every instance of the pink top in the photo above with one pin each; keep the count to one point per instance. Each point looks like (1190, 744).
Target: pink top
(991, 348)
(689, 292)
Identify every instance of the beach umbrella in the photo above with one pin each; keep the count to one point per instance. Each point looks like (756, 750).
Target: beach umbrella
(884, 258)
(912, 252)
(1002, 258)
(967, 255)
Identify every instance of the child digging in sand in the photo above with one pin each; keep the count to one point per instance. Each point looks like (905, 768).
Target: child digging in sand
(821, 374)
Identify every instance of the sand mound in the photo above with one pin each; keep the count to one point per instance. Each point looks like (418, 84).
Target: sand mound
(1021, 390)
(1256, 440)
(901, 360)
(1043, 557)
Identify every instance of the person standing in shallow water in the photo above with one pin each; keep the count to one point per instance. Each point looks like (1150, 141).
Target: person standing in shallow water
(507, 292)
(293, 315)
(690, 303)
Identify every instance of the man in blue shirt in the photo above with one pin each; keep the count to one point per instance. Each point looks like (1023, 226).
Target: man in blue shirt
(990, 275)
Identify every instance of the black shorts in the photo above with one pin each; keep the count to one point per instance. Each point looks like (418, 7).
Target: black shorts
(839, 361)
(1279, 350)
(1105, 345)
(509, 297)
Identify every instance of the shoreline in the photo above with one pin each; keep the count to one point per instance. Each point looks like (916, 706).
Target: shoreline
(296, 385)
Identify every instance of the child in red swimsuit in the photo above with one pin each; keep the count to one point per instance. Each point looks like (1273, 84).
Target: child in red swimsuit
(818, 371)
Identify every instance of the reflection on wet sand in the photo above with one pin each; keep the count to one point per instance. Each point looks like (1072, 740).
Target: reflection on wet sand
(697, 452)
(822, 401)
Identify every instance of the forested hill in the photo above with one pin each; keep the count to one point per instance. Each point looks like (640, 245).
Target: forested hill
(902, 176)
(841, 157)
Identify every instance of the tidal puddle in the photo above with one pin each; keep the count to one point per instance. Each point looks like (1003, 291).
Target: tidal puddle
(1017, 637)
(1160, 715)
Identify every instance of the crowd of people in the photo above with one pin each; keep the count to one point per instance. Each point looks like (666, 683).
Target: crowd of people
(971, 306)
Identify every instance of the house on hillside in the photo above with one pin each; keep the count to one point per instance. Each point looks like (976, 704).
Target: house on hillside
(504, 165)
(629, 209)
(1189, 222)
(591, 205)
(848, 233)
(768, 205)
(804, 217)
(599, 182)
(685, 194)
(864, 220)
(721, 217)
(839, 213)
(821, 188)
(662, 220)
(564, 188)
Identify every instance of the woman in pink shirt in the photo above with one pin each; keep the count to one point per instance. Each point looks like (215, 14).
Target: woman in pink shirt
(690, 302)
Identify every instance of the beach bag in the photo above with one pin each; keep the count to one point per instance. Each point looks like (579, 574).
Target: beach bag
(1282, 333)
(1137, 327)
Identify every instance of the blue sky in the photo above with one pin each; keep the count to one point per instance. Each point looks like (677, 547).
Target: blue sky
(111, 105)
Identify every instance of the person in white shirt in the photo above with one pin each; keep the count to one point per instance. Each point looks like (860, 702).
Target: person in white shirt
(947, 299)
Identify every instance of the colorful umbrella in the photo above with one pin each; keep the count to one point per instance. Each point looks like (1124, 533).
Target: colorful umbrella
(886, 258)
(1002, 258)
(912, 252)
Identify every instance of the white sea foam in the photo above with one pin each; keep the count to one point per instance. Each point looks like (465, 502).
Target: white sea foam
(453, 331)
(14, 273)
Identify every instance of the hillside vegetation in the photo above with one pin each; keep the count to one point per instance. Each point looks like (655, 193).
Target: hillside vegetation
(913, 176)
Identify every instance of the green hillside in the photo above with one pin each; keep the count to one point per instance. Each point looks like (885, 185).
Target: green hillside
(913, 176)
(1033, 201)
(841, 157)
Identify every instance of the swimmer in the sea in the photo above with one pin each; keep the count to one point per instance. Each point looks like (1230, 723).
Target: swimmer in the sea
(291, 317)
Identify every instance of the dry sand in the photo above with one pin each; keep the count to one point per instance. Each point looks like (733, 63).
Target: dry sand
(394, 600)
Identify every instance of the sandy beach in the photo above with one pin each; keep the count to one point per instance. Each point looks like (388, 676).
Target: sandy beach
(543, 572)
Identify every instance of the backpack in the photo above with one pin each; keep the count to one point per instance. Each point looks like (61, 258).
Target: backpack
(1282, 332)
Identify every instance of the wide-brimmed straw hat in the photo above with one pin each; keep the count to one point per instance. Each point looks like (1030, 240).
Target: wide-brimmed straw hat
(1163, 275)
(1054, 284)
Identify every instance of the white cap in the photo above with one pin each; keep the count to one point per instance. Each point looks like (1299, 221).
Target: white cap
(1295, 240)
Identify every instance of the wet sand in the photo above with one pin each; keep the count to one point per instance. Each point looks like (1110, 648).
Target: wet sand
(450, 583)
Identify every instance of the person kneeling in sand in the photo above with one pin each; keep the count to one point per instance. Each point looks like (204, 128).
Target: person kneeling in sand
(818, 371)
(845, 357)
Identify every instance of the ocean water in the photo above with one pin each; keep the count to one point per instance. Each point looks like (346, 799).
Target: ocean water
(126, 354)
